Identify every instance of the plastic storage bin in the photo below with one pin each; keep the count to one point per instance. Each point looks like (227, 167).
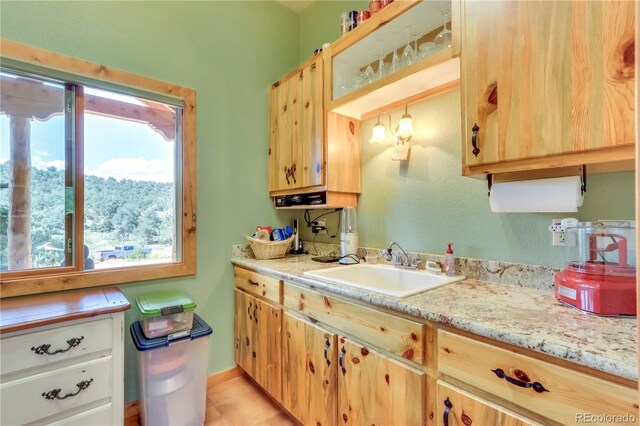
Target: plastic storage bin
(165, 313)
(173, 376)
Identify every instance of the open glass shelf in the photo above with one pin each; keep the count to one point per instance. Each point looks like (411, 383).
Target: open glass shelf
(415, 35)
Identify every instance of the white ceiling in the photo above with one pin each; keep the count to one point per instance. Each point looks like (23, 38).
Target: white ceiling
(296, 5)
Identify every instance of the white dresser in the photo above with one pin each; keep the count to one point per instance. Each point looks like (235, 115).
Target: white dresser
(62, 359)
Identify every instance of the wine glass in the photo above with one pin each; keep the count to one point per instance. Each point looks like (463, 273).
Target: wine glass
(415, 36)
(408, 53)
(395, 58)
(382, 67)
(368, 74)
(443, 39)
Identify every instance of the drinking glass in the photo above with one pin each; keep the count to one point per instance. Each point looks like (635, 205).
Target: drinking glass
(443, 39)
(368, 75)
(408, 53)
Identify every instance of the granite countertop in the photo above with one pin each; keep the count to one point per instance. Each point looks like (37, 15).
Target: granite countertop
(524, 317)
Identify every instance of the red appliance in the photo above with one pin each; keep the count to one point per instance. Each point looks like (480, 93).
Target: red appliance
(601, 275)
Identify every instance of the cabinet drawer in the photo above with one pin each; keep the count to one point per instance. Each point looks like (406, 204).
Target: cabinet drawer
(258, 284)
(555, 392)
(100, 416)
(48, 346)
(397, 335)
(465, 408)
(24, 401)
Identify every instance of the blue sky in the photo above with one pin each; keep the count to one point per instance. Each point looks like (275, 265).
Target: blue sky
(113, 148)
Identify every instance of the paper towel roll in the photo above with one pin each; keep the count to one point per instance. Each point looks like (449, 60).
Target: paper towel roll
(537, 196)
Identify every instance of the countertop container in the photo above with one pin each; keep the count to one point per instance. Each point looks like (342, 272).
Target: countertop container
(166, 313)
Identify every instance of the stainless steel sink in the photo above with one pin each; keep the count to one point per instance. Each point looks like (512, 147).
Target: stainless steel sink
(383, 279)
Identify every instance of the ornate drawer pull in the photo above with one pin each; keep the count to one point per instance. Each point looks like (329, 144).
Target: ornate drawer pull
(343, 351)
(537, 386)
(445, 415)
(474, 137)
(249, 310)
(255, 313)
(326, 350)
(44, 349)
(55, 393)
(255, 283)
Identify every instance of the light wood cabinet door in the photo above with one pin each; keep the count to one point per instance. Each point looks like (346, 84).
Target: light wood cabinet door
(547, 83)
(309, 358)
(376, 389)
(258, 341)
(457, 407)
(296, 146)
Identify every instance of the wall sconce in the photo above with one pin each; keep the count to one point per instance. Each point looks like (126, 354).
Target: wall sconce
(402, 134)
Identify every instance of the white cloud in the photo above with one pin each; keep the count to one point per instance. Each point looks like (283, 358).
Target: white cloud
(134, 168)
(42, 153)
(39, 163)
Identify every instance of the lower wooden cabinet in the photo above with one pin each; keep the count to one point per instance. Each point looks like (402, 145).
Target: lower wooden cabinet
(374, 388)
(457, 407)
(258, 341)
(310, 365)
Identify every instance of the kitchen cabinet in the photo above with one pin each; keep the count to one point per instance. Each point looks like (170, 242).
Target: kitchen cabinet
(547, 389)
(374, 388)
(258, 344)
(310, 358)
(63, 359)
(311, 152)
(457, 407)
(296, 156)
(547, 84)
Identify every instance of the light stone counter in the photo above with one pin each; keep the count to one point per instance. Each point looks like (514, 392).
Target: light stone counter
(520, 316)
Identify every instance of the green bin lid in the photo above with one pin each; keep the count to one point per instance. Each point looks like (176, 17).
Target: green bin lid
(164, 303)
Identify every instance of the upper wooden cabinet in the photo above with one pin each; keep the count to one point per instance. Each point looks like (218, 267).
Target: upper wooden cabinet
(311, 152)
(296, 155)
(547, 84)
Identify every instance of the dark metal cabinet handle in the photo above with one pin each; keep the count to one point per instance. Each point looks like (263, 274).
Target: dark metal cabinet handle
(326, 350)
(55, 393)
(255, 313)
(445, 416)
(537, 386)
(249, 310)
(293, 173)
(474, 139)
(343, 351)
(44, 349)
(287, 173)
(255, 283)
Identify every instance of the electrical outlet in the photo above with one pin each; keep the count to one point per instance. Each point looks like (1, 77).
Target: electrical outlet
(321, 222)
(557, 236)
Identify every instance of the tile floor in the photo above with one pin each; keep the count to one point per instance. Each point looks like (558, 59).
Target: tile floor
(238, 402)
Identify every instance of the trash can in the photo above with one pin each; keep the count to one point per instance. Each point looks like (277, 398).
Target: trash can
(173, 376)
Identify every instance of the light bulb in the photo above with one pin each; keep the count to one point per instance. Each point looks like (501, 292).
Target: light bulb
(379, 133)
(405, 126)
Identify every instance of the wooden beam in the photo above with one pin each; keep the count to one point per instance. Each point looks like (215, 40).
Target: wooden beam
(28, 98)
(19, 238)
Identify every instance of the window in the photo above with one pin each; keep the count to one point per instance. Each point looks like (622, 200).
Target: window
(97, 175)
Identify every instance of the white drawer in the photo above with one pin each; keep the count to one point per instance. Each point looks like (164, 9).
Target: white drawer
(30, 350)
(23, 400)
(100, 416)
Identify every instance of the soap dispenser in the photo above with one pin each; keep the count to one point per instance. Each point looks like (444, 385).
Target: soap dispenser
(449, 262)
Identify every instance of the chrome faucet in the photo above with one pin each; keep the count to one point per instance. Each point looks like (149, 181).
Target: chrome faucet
(403, 261)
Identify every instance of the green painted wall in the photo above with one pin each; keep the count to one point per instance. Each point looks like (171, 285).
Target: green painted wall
(230, 53)
(320, 23)
(425, 203)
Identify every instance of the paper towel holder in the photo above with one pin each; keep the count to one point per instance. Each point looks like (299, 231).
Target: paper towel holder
(540, 174)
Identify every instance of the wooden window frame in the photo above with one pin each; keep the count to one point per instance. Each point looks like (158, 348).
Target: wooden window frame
(21, 283)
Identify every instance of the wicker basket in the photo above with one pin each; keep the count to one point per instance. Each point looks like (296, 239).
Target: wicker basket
(269, 249)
